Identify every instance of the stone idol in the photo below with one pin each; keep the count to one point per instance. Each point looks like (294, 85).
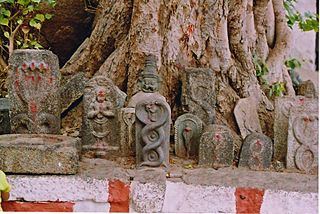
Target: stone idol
(216, 147)
(283, 106)
(303, 140)
(256, 152)
(34, 81)
(153, 115)
(188, 130)
(100, 130)
(198, 93)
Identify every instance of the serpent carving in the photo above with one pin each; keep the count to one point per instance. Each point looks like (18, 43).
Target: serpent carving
(154, 115)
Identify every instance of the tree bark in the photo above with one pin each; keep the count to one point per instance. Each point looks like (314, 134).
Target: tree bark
(217, 34)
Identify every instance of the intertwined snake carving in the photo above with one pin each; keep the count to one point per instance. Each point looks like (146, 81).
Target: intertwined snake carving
(154, 115)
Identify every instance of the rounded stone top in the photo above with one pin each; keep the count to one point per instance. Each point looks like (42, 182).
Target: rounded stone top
(150, 67)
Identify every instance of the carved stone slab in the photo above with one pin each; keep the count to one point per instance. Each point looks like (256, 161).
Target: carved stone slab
(127, 124)
(4, 116)
(247, 117)
(303, 141)
(216, 147)
(100, 128)
(33, 85)
(39, 154)
(198, 93)
(282, 108)
(256, 152)
(152, 132)
(188, 130)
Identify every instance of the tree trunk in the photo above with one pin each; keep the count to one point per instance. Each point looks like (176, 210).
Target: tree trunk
(217, 34)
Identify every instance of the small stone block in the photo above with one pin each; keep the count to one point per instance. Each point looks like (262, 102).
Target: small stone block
(5, 127)
(256, 152)
(39, 154)
(216, 147)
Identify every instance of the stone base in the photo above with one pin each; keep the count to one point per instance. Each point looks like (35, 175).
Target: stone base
(39, 154)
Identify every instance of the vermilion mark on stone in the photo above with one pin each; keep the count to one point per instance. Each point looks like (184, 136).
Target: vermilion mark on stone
(249, 200)
(301, 100)
(24, 66)
(17, 83)
(33, 107)
(217, 137)
(33, 66)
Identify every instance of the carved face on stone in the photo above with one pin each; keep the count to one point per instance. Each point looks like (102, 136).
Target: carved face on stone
(101, 93)
(149, 84)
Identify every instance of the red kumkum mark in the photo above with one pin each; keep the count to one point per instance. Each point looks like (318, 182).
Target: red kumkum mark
(33, 107)
(17, 83)
(217, 137)
(301, 100)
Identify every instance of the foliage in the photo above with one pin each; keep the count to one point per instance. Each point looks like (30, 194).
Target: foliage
(20, 20)
(292, 63)
(306, 22)
(261, 69)
(276, 89)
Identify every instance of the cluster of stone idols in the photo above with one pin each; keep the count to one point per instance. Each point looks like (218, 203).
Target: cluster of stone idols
(143, 126)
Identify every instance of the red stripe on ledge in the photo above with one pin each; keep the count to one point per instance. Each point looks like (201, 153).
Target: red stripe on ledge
(13, 206)
(118, 196)
(248, 200)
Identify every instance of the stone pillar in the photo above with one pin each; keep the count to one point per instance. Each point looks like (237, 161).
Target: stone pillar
(34, 81)
(127, 139)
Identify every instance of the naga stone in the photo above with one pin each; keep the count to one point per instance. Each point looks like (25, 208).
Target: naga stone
(34, 81)
(247, 117)
(198, 93)
(152, 132)
(100, 129)
(303, 133)
(256, 152)
(127, 118)
(216, 147)
(188, 130)
(281, 121)
(5, 127)
(39, 154)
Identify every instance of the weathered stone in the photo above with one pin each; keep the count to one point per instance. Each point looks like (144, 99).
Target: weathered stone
(100, 129)
(247, 117)
(303, 133)
(188, 130)
(307, 89)
(282, 108)
(127, 120)
(153, 115)
(39, 154)
(256, 152)
(5, 127)
(34, 81)
(72, 90)
(198, 93)
(152, 132)
(216, 147)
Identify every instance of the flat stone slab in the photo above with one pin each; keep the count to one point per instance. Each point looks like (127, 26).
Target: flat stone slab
(39, 154)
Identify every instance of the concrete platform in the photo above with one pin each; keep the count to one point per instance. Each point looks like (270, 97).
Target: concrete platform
(104, 186)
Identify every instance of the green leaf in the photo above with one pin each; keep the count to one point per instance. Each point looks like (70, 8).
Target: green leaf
(36, 1)
(5, 12)
(38, 26)
(40, 17)
(4, 21)
(30, 8)
(32, 22)
(19, 21)
(6, 34)
(48, 16)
